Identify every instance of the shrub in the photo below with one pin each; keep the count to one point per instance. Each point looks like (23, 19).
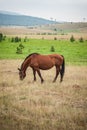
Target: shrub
(49, 33)
(72, 39)
(55, 29)
(19, 50)
(25, 39)
(81, 39)
(1, 37)
(21, 46)
(4, 37)
(12, 39)
(16, 39)
(52, 49)
(55, 38)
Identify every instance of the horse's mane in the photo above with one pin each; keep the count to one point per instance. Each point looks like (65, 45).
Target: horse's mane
(31, 55)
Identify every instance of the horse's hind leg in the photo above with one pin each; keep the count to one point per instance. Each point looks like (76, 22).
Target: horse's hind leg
(57, 72)
(61, 76)
(38, 71)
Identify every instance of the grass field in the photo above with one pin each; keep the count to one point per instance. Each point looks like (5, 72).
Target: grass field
(28, 105)
(74, 53)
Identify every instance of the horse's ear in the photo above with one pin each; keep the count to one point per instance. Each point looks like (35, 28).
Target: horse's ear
(19, 69)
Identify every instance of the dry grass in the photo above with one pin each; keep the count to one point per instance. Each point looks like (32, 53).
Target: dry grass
(64, 31)
(25, 105)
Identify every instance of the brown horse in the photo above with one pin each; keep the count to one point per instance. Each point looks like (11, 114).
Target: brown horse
(37, 61)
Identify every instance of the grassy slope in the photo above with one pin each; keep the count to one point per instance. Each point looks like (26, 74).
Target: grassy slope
(74, 53)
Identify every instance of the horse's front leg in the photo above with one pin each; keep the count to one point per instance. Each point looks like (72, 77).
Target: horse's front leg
(57, 72)
(38, 71)
(34, 73)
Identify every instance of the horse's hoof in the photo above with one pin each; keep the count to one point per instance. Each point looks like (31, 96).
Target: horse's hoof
(54, 81)
(61, 81)
(34, 80)
(42, 81)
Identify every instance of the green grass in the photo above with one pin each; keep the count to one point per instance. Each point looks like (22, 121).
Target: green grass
(74, 53)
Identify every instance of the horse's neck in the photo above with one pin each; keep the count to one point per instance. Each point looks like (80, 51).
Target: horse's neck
(25, 65)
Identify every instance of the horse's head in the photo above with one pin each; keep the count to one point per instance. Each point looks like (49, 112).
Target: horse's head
(22, 74)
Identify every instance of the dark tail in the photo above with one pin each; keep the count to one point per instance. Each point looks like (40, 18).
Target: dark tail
(62, 71)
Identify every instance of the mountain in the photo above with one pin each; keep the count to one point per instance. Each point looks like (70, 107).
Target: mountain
(8, 12)
(14, 19)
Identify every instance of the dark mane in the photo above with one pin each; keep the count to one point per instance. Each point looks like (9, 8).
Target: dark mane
(31, 55)
(28, 57)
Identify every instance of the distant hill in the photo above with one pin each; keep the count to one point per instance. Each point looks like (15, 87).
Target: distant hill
(14, 19)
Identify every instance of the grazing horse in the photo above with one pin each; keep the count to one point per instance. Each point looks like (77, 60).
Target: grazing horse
(37, 61)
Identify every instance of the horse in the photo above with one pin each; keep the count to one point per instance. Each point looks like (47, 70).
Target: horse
(43, 62)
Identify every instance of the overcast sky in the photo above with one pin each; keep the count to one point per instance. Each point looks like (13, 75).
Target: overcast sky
(60, 10)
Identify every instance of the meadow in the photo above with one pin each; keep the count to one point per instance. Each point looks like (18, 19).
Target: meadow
(74, 52)
(28, 105)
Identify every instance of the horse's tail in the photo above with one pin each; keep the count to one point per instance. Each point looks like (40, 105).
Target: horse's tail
(62, 71)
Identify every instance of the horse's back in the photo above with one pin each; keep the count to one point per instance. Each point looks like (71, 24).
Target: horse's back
(46, 62)
(57, 58)
(43, 62)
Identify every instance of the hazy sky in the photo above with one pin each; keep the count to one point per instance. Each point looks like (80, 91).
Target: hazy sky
(61, 10)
